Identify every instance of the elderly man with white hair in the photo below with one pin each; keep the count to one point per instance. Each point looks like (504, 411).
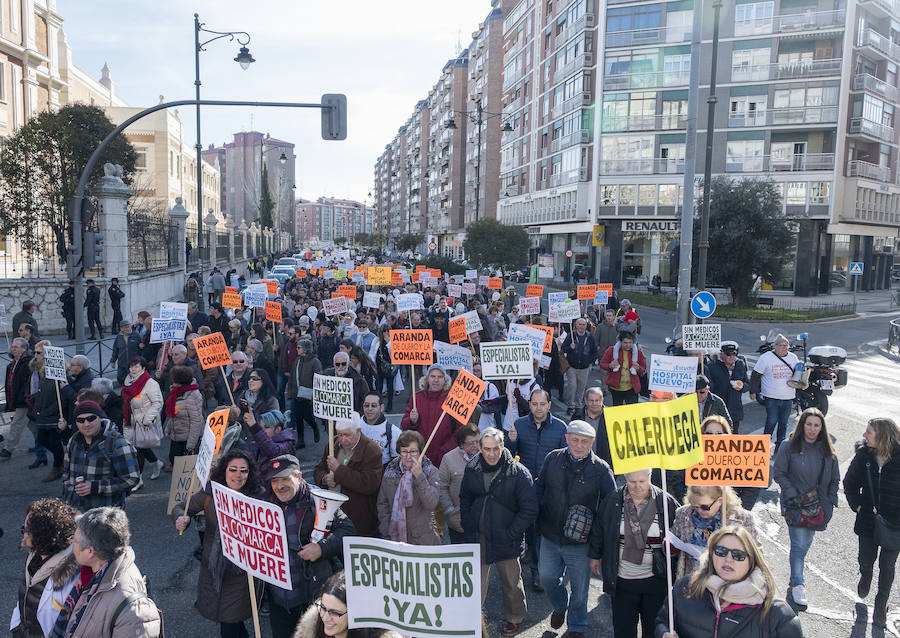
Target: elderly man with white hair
(769, 380)
(341, 368)
(178, 354)
(354, 470)
(80, 373)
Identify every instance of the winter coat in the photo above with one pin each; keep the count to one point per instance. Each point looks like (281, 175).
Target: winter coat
(113, 405)
(139, 618)
(187, 424)
(614, 378)
(797, 474)
(109, 464)
(19, 389)
(428, 404)
(358, 479)
(601, 441)
(229, 599)
(360, 386)
(450, 476)
(24, 317)
(580, 350)
(82, 380)
(564, 482)
(41, 596)
(720, 378)
(533, 444)
(237, 389)
(265, 448)
(306, 628)
(45, 409)
(165, 378)
(302, 375)
(606, 335)
(501, 512)
(683, 527)
(714, 405)
(218, 324)
(886, 485)
(699, 618)
(327, 347)
(145, 407)
(420, 525)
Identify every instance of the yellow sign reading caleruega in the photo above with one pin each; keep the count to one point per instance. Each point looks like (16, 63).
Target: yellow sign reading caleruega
(646, 435)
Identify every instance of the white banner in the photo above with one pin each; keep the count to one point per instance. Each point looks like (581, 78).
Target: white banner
(701, 336)
(454, 290)
(468, 288)
(335, 306)
(205, 455)
(170, 309)
(162, 330)
(371, 299)
(409, 301)
(253, 535)
(358, 277)
(416, 590)
(535, 337)
(471, 274)
(484, 280)
(529, 306)
(506, 360)
(672, 374)
(473, 322)
(333, 398)
(601, 298)
(453, 357)
(328, 274)
(428, 282)
(545, 272)
(55, 363)
(557, 297)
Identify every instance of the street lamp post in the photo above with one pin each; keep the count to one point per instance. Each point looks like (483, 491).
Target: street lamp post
(245, 60)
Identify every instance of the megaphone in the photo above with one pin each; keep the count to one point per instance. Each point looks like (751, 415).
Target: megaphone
(800, 377)
(327, 505)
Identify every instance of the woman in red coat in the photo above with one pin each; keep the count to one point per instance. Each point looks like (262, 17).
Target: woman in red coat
(625, 365)
(434, 389)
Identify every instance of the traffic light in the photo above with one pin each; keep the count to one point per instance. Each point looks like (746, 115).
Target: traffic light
(334, 120)
(92, 249)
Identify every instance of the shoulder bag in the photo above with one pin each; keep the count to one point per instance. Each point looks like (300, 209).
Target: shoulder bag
(885, 534)
(579, 518)
(805, 510)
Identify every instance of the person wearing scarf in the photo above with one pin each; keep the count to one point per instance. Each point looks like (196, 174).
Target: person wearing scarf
(408, 494)
(141, 404)
(184, 413)
(450, 477)
(732, 589)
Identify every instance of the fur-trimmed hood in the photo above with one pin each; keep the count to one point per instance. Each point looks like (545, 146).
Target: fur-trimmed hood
(61, 568)
(306, 628)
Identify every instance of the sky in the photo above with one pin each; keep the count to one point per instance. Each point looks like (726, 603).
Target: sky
(385, 55)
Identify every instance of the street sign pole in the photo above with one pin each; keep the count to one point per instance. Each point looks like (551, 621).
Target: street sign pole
(856, 271)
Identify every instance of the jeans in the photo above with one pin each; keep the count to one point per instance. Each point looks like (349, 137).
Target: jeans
(777, 411)
(641, 598)
(887, 562)
(624, 397)
(801, 540)
(571, 561)
(533, 538)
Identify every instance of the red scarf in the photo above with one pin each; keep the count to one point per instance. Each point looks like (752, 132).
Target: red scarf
(131, 391)
(174, 393)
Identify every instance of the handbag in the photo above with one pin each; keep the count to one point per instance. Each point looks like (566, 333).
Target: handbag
(579, 518)
(805, 510)
(885, 534)
(148, 436)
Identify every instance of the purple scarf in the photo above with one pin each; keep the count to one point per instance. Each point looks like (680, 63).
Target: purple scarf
(403, 498)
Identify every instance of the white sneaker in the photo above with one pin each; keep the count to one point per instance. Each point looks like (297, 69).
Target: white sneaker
(139, 485)
(799, 594)
(158, 466)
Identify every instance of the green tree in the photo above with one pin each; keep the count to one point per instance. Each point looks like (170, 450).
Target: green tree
(362, 239)
(408, 242)
(340, 241)
(490, 243)
(41, 164)
(749, 238)
(266, 203)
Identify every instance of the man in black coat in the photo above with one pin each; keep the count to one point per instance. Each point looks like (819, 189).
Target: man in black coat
(592, 412)
(26, 315)
(18, 375)
(710, 403)
(341, 368)
(67, 299)
(497, 503)
(115, 300)
(729, 380)
(92, 303)
(218, 320)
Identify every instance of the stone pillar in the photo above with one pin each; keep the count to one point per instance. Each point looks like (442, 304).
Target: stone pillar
(178, 218)
(229, 227)
(211, 223)
(112, 213)
(242, 229)
(254, 234)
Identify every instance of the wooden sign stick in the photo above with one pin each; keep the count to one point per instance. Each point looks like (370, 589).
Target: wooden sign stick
(227, 386)
(431, 436)
(412, 375)
(253, 604)
(330, 437)
(58, 400)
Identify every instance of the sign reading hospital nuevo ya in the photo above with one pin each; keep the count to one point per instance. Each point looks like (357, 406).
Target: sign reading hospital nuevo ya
(333, 398)
(736, 459)
(412, 347)
(416, 590)
(646, 435)
(253, 535)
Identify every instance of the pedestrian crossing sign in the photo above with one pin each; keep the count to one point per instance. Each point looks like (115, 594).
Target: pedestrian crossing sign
(856, 267)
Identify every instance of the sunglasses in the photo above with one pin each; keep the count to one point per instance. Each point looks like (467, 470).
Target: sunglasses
(706, 508)
(737, 554)
(340, 365)
(86, 419)
(254, 379)
(242, 470)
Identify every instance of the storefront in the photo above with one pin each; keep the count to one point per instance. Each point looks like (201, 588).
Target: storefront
(561, 240)
(649, 248)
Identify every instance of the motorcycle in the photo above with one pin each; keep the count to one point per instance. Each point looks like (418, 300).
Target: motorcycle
(819, 370)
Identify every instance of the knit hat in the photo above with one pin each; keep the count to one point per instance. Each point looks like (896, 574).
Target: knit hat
(88, 407)
(272, 419)
(435, 366)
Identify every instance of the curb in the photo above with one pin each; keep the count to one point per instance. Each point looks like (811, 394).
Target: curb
(888, 354)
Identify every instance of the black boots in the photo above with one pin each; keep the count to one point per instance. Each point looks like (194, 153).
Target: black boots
(865, 581)
(879, 614)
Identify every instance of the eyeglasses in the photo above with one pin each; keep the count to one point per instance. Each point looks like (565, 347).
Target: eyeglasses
(331, 613)
(371, 405)
(472, 443)
(254, 379)
(340, 364)
(705, 507)
(409, 452)
(737, 554)
(242, 470)
(86, 419)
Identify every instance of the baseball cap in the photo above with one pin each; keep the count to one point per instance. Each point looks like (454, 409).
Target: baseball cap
(283, 465)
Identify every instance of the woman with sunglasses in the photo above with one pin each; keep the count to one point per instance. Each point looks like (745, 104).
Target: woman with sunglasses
(328, 618)
(701, 515)
(223, 593)
(731, 593)
(260, 395)
(808, 473)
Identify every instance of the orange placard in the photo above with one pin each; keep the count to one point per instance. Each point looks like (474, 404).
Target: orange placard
(232, 290)
(412, 347)
(587, 292)
(232, 300)
(379, 276)
(606, 287)
(421, 268)
(273, 311)
(548, 338)
(271, 286)
(301, 274)
(534, 290)
(313, 271)
(396, 279)
(217, 422)
(463, 396)
(495, 283)
(347, 291)
(738, 460)
(457, 329)
(212, 350)
(435, 272)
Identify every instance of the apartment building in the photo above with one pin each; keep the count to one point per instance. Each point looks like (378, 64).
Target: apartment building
(330, 218)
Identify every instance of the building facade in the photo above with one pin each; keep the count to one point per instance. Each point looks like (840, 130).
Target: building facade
(330, 218)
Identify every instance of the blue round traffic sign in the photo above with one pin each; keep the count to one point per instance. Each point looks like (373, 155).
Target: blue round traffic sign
(703, 304)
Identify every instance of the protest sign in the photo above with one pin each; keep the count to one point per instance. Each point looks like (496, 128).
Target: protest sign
(335, 306)
(534, 290)
(162, 330)
(396, 279)
(379, 275)
(371, 299)
(299, 273)
(217, 422)
(454, 290)
(495, 283)
(428, 282)
(232, 300)
(253, 535)
(672, 374)
(567, 311)
(212, 350)
(463, 396)
(255, 295)
(648, 435)
(412, 347)
(557, 297)
(55, 363)
(205, 456)
(457, 329)
(358, 277)
(529, 306)
(382, 588)
(333, 398)
(184, 482)
(586, 292)
(170, 309)
(340, 274)
(732, 459)
(545, 272)
(701, 336)
(232, 290)
(484, 280)
(348, 291)
(273, 311)
(271, 286)
(601, 298)
(421, 268)
(548, 336)
(453, 357)
(471, 274)
(328, 274)
(409, 301)
(607, 287)
(506, 360)
(468, 288)
(521, 332)
(473, 322)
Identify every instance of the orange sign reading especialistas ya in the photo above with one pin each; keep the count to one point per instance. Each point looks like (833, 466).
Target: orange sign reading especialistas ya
(738, 460)
(457, 329)
(587, 292)
(273, 311)
(412, 347)
(347, 291)
(463, 396)
(534, 290)
(212, 350)
(495, 283)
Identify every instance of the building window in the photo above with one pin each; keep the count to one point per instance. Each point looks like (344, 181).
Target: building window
(647, 195)
(750, 64)
(667, 194)
(626, 195)
(140, 160)
(676, 70)
(819, 192)
(674, 114)
(14, 7)
(796, 194)
(608, 194)
(744, 156)
(749, 110)
(753, 18)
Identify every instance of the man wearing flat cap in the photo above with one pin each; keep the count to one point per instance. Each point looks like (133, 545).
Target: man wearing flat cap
(310, 562)
(571, 484)
(728, 379)
(710, 403)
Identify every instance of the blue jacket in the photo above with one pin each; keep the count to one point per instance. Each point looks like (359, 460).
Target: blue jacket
(580, 350)
(533, 445)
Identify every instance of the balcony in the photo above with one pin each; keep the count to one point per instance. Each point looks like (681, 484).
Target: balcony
(569, 177)
(642, 166)
(574, 102)
(879, 44)
(582, 61)
(509, 164)
(884, 8)
(649, 80)
(513, 106)
(566, 141)
(570, 31)
(866, 82)
(785, 116)
(809, 21)
(786, 71)
(644, 122)
(868, 128)
(801, 162)
(641, 37)
(858, 168)
(509, 191)
(512, 78)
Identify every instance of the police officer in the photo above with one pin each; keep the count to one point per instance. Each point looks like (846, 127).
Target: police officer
(92, 303)
(67, 299)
